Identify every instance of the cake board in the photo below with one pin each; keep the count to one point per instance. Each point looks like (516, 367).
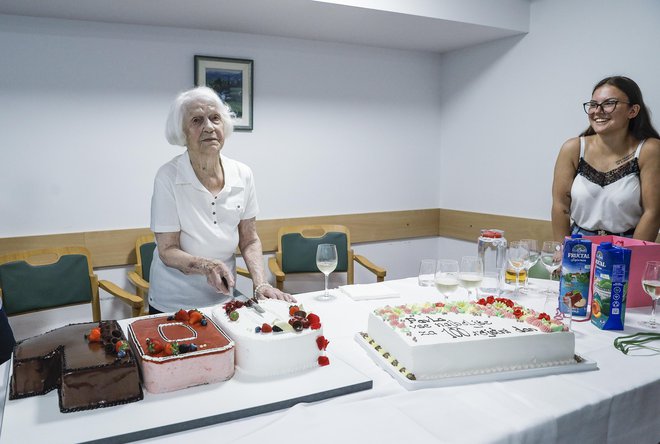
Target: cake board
(582, 364)
(32, 419)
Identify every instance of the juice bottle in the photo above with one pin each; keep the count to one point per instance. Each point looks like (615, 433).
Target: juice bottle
(608, 307)
(510, 276)
(575, 275)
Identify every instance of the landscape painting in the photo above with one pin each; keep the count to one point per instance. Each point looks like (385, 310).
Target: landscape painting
(232, 79)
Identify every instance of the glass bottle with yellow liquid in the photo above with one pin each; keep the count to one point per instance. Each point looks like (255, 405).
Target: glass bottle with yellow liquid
(517, 253)
(511, 275)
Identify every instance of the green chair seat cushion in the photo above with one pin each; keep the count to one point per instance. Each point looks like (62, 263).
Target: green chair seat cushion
(28, 287)
(147, 255)
(299, 252)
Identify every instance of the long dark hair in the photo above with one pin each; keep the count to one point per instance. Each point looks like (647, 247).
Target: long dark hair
(640, 126)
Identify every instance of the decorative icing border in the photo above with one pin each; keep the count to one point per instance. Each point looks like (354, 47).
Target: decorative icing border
(173, 324)
(490, 306)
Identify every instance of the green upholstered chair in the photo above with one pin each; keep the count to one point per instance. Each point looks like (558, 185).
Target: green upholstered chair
(144, 251)
(296, 252)
(47, 278)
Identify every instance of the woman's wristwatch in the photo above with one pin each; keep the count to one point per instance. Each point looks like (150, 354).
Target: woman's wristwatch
(259, 287)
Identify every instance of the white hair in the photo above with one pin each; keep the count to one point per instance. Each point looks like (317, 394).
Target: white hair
(174, 126)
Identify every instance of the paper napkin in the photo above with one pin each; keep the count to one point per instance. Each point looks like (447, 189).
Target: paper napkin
(361, 292)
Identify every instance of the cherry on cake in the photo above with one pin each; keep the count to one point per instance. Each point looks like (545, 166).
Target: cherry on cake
(437, 340)
(180, 351)
(90, 365)
(282, 340)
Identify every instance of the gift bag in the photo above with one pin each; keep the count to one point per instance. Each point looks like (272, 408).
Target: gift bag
(642, 252)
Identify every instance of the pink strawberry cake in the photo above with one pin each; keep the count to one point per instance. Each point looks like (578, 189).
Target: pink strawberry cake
(176, 352)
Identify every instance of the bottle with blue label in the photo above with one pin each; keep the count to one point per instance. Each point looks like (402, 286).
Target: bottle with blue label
(575, 275)
(611, 271)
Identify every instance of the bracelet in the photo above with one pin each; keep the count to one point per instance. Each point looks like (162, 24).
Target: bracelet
(259, 287)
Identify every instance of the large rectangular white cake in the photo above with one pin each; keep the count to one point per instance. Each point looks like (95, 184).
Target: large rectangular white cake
(436, 340)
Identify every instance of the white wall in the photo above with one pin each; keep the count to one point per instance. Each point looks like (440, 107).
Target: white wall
(337, 128)
(509, 105)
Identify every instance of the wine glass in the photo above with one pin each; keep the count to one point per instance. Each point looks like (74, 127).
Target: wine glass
(446, 277)
(651, 284)
(470, 274)
(534, 256)
(516, 255)
(551, 256)
(326, 261)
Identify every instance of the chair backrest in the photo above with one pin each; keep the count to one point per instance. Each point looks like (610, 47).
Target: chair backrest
(47, 278)
(297, 247)
(144, 250)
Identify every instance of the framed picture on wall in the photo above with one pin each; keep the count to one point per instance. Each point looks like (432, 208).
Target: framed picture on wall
(232, 79)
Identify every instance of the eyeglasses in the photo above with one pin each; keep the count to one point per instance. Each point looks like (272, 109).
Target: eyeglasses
(608, 106)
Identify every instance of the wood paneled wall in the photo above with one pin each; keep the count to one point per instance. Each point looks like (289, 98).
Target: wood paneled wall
(117, 247)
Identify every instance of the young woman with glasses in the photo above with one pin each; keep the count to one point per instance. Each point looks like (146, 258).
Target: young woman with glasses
(607, 180)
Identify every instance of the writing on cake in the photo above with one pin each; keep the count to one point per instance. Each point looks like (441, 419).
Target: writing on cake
(455, 328)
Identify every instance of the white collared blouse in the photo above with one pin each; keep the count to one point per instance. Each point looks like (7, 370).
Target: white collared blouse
(208, 227)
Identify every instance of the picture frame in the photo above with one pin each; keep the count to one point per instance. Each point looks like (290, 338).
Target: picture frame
(233, 80)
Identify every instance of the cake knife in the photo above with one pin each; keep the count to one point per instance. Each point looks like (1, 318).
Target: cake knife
(255, 305)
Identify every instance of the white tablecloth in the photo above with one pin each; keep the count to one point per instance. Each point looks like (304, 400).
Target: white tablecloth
(618, 403)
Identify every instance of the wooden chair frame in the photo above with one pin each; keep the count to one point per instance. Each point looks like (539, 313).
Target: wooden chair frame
(137, 275)
(45, 256)
(275, 263)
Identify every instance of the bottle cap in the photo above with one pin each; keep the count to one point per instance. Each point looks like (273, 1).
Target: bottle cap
(495, 234)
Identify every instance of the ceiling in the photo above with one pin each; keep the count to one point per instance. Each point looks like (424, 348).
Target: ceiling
(303, 19)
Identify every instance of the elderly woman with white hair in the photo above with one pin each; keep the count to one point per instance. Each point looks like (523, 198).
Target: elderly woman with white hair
(204, 205)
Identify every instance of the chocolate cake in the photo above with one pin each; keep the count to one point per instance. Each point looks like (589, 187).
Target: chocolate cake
(89, 370)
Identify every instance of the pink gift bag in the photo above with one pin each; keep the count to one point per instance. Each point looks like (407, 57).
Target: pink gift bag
(642, 252)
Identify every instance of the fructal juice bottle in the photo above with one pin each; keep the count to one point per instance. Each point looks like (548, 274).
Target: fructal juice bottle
(612, 267)
(575, 275)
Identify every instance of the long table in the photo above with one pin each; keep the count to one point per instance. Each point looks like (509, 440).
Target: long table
(618, 403)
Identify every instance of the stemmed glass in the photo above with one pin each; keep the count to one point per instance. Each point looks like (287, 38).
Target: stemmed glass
(471, 274)
(651, 284)
(551, 256)
(446, 277)
(326, 261)
(517, 254)
(534, 256)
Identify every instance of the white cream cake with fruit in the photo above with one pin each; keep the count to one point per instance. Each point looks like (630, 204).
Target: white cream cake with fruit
(282, 340)
(438, 340)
